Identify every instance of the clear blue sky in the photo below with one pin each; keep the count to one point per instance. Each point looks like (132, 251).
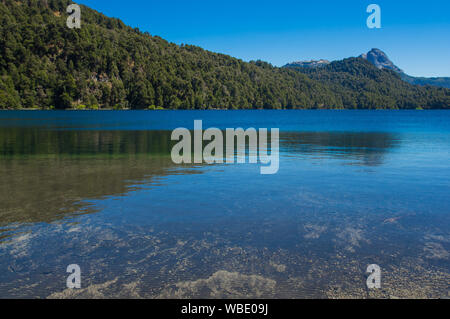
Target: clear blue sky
(415, 34)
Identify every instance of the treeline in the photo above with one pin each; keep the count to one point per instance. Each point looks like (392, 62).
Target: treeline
(106, 64)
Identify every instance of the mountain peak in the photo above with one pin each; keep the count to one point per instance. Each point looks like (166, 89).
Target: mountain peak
(380, 60)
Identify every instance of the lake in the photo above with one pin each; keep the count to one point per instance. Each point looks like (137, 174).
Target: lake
(99, 189)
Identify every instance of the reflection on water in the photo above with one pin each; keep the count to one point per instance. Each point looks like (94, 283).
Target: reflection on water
(366, 147)
(18, 142)
(53, 171)
(46, 174)
(113, 202)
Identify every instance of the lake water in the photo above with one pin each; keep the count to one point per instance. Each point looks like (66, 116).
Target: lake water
(99, 189)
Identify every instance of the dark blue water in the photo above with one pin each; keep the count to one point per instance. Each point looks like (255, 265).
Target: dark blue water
(99, 189)
(289, 121)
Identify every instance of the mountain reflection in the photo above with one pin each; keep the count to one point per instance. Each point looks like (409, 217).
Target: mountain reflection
(48, 174)
(34, 141)
(366, 148)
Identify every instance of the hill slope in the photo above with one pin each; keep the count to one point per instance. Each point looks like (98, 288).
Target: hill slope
(106, 64)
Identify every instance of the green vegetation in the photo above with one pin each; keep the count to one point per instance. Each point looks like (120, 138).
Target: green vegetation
(107, 64)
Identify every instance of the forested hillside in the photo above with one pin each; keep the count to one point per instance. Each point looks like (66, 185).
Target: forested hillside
(105, 64)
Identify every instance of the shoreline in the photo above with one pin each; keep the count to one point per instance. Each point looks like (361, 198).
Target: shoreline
(211, 109)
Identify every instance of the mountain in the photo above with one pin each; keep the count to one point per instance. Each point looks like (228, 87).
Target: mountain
(356, 82)
(308, 64)
(381, 61)
(106, 64)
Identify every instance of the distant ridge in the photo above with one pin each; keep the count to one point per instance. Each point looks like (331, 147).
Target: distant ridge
(309, 64)
(381, 61)
(439, 81)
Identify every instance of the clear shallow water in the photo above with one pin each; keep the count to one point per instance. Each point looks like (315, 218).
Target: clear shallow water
(99, 189)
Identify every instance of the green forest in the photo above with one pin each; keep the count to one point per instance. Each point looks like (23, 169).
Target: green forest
(108, 65)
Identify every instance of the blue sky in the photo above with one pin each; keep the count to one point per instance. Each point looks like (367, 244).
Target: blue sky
(415, 34)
